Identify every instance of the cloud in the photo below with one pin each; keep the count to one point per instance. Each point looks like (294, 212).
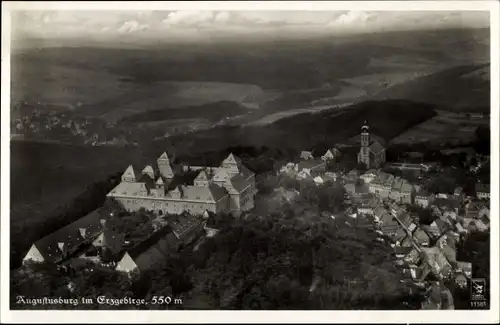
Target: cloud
(190, 18)
(153, 24)
(354, 17)
(132, 26)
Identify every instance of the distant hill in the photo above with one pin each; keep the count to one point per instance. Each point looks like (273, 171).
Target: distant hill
(386, 118)
(213, 112)
(463, 88)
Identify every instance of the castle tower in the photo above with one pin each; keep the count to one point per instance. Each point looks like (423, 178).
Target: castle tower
(130, 175)
(164, 166)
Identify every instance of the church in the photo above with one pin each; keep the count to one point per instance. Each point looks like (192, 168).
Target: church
(372, 151)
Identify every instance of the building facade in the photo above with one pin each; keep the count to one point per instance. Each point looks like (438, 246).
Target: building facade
(227, 188)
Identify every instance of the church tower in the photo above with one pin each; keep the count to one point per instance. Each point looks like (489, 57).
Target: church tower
(364, 152)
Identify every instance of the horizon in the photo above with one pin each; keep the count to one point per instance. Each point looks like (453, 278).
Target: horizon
(143, 28)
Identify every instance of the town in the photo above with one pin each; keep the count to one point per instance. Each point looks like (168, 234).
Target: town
(168, 208)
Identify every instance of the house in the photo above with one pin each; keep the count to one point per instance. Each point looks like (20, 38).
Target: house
(304, 174)
(369, 176)
(421, 237)
(352, 176)
(471, 224)
(448, 216)
(407, 242)
(400, 235)
(389, 225)
(314, 166)
(402, 251)
(484, 213)
(465, 268)
(461, 280)
(288, 168)
(483, 191)
(447, 204)
(458, 191)
(460, 228)
(438, 227)
(371, 152)
(149, 253)
(472, 208)
(412, 227)
(110, 241)
(413, 257)
(306, 155)
(63, 243)
(331, 154)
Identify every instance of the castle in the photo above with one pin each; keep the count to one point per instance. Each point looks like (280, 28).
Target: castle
(371, 152)
(228, 188)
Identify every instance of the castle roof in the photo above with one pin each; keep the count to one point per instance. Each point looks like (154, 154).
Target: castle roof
(130, 173)
(202, 176)
(239, 183)
(211, 193)
(129, 189)
(148, 170)
(164, 157)
(71, 236)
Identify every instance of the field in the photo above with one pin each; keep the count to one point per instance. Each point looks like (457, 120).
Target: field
(444, 128)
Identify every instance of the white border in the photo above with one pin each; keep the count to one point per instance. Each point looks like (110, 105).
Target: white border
(252, 316)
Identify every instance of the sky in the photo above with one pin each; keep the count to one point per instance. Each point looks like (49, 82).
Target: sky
(202, 25)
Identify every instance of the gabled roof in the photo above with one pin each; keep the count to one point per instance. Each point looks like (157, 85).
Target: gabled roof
(112, 240)
(231, 159)
(376, 147)
(311, 164)
(163, 240)
(70, 235)
(164, 157)
(211, 193)
(159, 181)
(421, 236)
(239, 183)
(221, 175)
(440, 224)
(129, 189)
(379, 211)
(148, 170)
(130, 173)
(202, 176)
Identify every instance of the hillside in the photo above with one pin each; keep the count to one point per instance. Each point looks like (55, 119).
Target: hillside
(212, 111)
(387, 118)
(464, 88)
